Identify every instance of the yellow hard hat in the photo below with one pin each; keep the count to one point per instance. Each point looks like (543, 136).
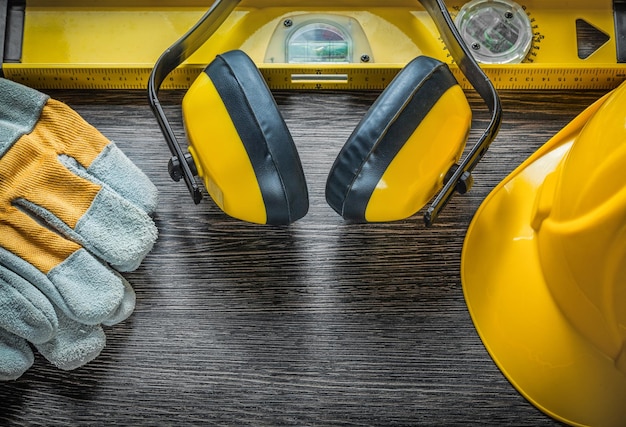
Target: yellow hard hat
(544, 270)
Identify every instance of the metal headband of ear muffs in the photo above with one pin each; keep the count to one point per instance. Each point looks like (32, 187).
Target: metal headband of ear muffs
(461, 178)
(167, 62)
(458, 179)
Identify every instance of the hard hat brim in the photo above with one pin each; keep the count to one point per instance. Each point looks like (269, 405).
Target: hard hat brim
(521, 326)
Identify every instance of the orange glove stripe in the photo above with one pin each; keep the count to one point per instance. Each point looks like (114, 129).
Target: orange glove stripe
(70, 134)
(66, 195)
(44, 249)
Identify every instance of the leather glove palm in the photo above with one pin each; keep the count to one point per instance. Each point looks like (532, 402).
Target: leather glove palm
(74, 210)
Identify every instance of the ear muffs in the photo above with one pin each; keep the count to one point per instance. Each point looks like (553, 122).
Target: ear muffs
(402, 153)
(240, 144)
(397, 157)
(394, 162)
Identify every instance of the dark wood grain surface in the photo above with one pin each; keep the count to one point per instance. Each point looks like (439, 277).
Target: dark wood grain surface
(319, 323)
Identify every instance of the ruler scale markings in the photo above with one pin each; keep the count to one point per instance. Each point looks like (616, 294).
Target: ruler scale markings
(289, 78)
(549, 65)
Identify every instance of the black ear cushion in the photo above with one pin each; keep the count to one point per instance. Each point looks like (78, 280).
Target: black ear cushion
(264, 135)
(382, 132)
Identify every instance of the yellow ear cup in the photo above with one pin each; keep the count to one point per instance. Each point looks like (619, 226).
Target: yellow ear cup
(397, 157)
(240, 144)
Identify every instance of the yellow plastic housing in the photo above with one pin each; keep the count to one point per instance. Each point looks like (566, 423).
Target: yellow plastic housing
(582, 233)
(417, 172)
(219, 154)
(544, 267)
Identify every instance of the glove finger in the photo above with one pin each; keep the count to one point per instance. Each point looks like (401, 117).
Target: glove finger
(125, 308)
(112, 168)
(117, 231)
(80, 285)
(88, 291)
(74, 345)
(24, 311)
(16, 356)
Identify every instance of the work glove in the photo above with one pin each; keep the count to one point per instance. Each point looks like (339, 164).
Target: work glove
(74, 212)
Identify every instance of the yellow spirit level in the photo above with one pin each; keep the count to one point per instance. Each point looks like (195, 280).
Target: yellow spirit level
(113, 44)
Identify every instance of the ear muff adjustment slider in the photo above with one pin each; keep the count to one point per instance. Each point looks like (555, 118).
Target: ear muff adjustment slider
(464, 183)
(176, 171)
